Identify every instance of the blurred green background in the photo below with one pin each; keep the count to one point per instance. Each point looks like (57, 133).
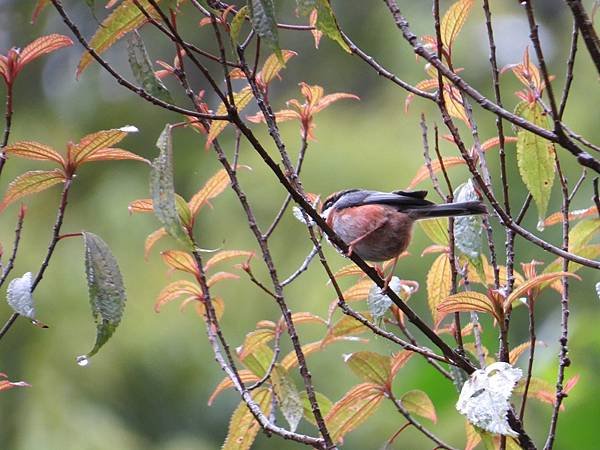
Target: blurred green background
(148, 388)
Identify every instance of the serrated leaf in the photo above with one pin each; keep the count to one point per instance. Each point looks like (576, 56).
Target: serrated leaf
(467, 229)
(356, 406)
(291, 360)
(246, 377)
(254, 339)
(484, 398)
(583, 232)
(236, 24)
(273, 65)
(174, 290)
(30, 183)
(436, 230)
(152, 239)
(262, 16)
(142, 70)
(35, 151)
(557, 217)
(163, 190)
(18, 296)
(226, 255)
(179, 260)
(106, 289)
(467, 301)
(92, 143)
(143, 205)
(324, 406)
(453, 21)
(259, 359)
(42, 46)
(535, 157)
(370, 366)
(127, 17)
(243, 427)
(115, 154)
(439, 283)
(418, 402)
(241, 100)
(358, 291)
(348, 325)
(287, 395)
(211, 189)
(541, 280)
(327, 23)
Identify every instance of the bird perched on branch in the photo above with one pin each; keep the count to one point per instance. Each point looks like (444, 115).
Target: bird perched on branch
(377, 226)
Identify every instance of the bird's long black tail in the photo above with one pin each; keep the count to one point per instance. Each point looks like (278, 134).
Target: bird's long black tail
(448, 209)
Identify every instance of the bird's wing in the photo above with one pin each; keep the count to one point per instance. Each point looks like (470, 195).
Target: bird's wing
(399, 199)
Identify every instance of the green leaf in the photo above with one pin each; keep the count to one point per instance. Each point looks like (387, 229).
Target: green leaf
(141, 67)
(324, 406)
(236, 24)
(436, 230)
(583, 232)
(259, 360)
(127, 17)
(163, 191)
(262, 16)
(418, 402)
(19, 298)
(348, 325)
(287, 395)
(106, 290)
(439, 283)
(371, 367)
(243, 427)
(326, 21)
(535, 157)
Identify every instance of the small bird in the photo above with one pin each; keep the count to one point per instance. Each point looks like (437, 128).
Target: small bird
(377, 226)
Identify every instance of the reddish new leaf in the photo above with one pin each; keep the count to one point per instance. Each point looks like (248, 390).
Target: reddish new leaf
(467, 301)
(42, 46)
(243, 427)
(535, 283)
(245, 375)
(175, 290)
(353, 409)
(220, 276)
(453, 21)
(241, 100)
(180, 260)
(439, 283)
(143, 206)
(30, 183)
(114, 154)
(226, 255)
(557, 217)
(254, 339)
(90, 144)
(35, 151)
(212, 188)
(273, 65)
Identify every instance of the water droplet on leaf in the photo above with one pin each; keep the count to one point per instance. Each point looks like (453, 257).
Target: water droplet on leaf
(540, 225)
(82, 360)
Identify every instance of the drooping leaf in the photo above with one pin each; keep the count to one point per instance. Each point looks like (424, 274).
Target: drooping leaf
(211, 189)
(262, 16)
(142, 206)
(535, 157)
(356, 406)
(516, 352)
(370, 366)
(179, 260)
(236, 24)
(106, 289)
(288, 397)
(418, 402)
(163, 190)
(291, 360)
(42, 46)
(246, 377)
(557, 217)
(484, 398)
(35, 151)
(174, 290)
(436, 230)
(152, 239)
(5, 385)
(243, 427)
(127, 17)
(467, 229)
(142, 70)
(39, 7)
(30, 183)
(453, 21)
(18, 296)
(241, 100)
(221, 276)
(439, 283)
(467, 301)
(92, 143)
(324, 406)
(327, 23)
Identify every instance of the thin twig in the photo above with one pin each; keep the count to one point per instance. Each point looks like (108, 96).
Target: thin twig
(13, 256)
(569, 72)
